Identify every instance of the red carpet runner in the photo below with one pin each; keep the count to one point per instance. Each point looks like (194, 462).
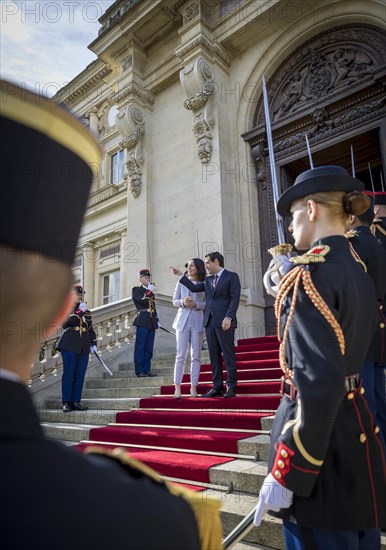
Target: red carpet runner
(183, 438)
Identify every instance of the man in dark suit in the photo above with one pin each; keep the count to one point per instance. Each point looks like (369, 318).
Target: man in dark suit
(222, 298)
(99, 500)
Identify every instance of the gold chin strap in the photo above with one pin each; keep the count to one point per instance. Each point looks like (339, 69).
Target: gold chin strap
(292, 281)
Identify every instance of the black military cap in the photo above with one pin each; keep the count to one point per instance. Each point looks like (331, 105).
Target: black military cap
(48, 159)
(317, 180)
(380, 198)
(144, 272)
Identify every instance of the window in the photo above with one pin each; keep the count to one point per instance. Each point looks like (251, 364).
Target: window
(117, 168)
(110, 287)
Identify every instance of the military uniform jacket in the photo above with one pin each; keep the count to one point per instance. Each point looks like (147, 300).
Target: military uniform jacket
(78, 332)
(373, 255)
(324, 444)
(144, 301)
(54, 497)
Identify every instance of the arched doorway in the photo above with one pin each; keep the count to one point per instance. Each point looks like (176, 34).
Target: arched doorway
(333, 89)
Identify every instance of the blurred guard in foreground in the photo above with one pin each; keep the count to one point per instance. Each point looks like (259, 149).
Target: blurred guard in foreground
(53, 497)
(326, 466)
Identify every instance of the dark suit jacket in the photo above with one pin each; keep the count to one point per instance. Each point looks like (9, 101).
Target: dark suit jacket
(220, 302)
(83, 501)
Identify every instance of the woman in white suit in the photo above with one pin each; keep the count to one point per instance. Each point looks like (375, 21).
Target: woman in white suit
(188, 325)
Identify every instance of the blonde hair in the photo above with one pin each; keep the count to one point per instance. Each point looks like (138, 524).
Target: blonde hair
(340, 204)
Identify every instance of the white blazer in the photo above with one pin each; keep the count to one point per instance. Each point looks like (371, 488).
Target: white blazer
(181, 292)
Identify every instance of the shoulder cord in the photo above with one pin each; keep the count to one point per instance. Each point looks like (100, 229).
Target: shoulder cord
(374, 227)
(356, 256)
(292, 281)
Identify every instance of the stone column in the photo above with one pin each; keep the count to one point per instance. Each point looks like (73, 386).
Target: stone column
(125, 253)
(88, 251)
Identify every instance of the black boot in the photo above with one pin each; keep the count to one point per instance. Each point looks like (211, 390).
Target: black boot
(67, 407)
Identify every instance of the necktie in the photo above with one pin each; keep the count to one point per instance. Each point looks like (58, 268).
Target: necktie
(215, 281)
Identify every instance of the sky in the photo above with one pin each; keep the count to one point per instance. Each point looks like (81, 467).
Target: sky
(43, 44)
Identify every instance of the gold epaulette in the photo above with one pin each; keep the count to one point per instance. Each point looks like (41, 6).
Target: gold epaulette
(206, 509)
(376, 226)
(351, 234)
(314, 255)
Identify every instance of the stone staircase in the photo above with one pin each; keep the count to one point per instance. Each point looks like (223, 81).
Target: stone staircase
(236, 483)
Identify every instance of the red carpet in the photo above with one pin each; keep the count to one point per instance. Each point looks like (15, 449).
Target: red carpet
(187, 429)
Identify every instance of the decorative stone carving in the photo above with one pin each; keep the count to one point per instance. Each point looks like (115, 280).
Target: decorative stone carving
(127, 62)
(260, 155)
(131, 126)
(197, 80)
(324, 67)
(191, 12)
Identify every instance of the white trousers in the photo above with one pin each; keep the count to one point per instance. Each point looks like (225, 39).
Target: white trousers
(185, 338)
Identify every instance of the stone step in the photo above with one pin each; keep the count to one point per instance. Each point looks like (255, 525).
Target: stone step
(124, 371)
(92, 416)
(128, 382)
(141, 391)
(116, 403)
(257, 445)
(235, 506)
(67, 432)
(245, 476)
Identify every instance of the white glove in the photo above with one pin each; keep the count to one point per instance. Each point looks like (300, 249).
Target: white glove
(83, 306)
(151, 287)
(93, 348)
(272, 496)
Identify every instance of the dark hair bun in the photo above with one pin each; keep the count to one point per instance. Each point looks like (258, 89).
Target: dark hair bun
(356, 203)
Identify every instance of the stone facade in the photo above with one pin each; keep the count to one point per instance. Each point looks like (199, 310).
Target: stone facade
(176, 88)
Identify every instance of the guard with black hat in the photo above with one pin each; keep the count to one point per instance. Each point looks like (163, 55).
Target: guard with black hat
(76, 343)
(326, 465)
(379, 225)
(373, 257)
(53, 496)
(146, 323)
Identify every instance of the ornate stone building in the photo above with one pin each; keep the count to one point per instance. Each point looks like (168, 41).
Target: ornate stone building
(175, 98)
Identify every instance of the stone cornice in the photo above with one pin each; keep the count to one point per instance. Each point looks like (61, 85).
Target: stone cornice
(73, 91)
(133, 89)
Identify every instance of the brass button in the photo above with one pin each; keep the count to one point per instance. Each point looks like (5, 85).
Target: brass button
(284, 453)
(362, 438)
(362, 390)
(277, 474)
(281, 464)
(376, 429)
(350, 395)
(382, 325)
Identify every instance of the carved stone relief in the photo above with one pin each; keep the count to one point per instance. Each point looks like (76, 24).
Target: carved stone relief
(323, 67)
(131, 126)
(197, 81)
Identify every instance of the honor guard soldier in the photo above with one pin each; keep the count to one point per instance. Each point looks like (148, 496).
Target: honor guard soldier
(75, 344)
(326, 465)
(52, 495)
(373, 258)
(379, 225)
(146, 323)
